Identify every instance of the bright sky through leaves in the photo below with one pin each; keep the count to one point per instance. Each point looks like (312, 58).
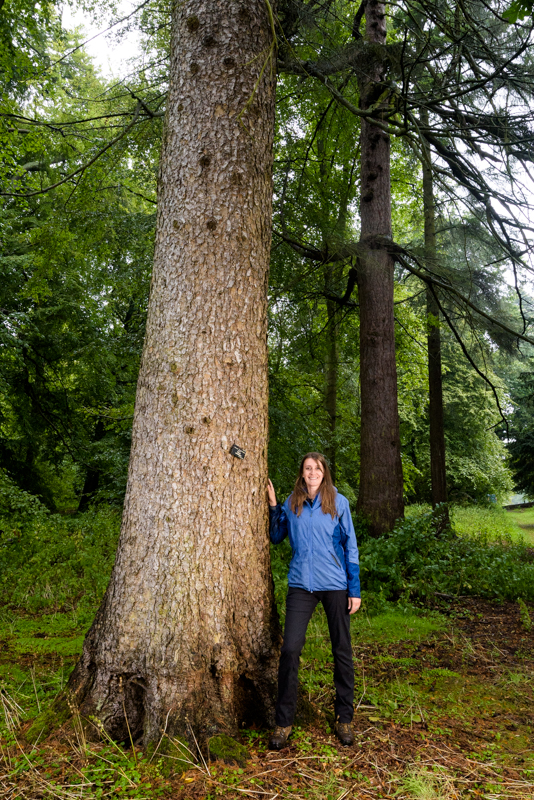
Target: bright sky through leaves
(110, 55)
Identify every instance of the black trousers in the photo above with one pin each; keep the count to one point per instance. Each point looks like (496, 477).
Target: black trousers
(300, 605)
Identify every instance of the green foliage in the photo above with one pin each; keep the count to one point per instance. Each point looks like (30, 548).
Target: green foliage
(521, 437)
(411, 562)
(56, 562)
(18, 508)
(172, 756)
(280, 558)
(74, 265)
(526, 622)
(476, 460)
(518, 10)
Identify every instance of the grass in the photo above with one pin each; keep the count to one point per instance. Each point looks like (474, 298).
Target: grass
(491, 522)
(488, 521)
(395, 624)
(523, 520)
(444, 692)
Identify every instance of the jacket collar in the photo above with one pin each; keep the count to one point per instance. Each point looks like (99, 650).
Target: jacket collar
(316, 502)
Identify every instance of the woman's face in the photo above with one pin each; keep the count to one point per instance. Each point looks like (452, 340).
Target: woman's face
(313, 474)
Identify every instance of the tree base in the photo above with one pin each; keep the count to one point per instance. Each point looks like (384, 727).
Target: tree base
(49, 720)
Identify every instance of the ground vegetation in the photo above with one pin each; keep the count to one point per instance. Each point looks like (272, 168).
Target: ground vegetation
(443, 690)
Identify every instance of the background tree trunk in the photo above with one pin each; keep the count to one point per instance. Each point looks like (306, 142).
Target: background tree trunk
(187, 631)
(438, 471)
(92, 476)
(331, 380)
(381, 485)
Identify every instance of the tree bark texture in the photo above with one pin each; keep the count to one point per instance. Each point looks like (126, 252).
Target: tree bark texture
(438, 471)
(381, 485)
(187, 634)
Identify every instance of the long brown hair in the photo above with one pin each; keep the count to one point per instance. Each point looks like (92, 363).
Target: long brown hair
(326, 489)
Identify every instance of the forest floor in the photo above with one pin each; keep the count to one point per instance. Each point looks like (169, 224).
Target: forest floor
(445, 709)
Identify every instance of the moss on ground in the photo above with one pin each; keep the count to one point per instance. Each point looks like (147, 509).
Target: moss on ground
(224, 748)
(49, 719)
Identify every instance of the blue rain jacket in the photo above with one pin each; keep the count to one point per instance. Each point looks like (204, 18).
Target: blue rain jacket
(325, 552)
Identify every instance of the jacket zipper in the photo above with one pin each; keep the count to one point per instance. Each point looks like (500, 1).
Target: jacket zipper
(310, 563)
(336, 561)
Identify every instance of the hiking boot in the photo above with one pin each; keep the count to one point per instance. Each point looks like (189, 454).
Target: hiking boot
(279, 737)
(344, 733)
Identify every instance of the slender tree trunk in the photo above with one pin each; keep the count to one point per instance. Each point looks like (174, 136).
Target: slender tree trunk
(381, 485)
(187, 632)
(437, 435)
(331, 380)
(92, 476)
(332, 276)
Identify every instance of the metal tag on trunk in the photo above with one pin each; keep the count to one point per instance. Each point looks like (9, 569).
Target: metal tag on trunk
(236, 451)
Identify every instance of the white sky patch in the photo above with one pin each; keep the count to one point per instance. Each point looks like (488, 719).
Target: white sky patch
(108, 53)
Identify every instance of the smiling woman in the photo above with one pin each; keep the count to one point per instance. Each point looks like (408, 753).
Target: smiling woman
(324, 569)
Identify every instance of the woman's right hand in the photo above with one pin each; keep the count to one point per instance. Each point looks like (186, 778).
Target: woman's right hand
(271, 493)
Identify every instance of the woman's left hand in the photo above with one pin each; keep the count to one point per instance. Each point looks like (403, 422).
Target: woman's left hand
(354, 604)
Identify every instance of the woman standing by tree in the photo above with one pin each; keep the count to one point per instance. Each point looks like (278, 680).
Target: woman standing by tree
(324, 569)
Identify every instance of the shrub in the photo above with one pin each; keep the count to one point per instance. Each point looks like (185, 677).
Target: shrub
(52, 562)
(413, 562)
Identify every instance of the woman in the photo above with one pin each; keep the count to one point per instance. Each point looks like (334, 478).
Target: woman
(324, 569)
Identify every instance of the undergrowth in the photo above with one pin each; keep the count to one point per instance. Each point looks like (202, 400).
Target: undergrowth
(414, 562)
(50, 562)
(439, 713)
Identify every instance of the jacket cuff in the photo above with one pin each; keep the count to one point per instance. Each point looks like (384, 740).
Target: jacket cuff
(354, 581)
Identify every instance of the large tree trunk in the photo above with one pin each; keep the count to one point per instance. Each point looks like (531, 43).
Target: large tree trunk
(187, 632)
(437, 435)
(381, 485)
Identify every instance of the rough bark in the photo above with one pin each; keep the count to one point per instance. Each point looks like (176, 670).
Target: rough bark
(438, 471)
(381, 486)
(187, 634)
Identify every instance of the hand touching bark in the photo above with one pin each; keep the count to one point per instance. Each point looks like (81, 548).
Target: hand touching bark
(271, 493)
(354, 604)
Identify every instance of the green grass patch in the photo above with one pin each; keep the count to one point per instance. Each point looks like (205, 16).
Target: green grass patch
(492, 523)
(523, 521)
(395, 626)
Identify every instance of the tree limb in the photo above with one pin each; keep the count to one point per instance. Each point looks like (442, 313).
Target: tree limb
(81, 169)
